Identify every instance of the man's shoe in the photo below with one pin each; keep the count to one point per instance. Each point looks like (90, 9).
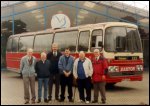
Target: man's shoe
(26, 102)
(103, 102)
(39, 100)
(45, 100)
(87, 102)
(49, 99)
(33, 101)
(95, 101)
(80, 101)
(61, 100)
(70, 100)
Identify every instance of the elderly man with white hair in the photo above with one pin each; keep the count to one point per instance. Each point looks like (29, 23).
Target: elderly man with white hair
(82, 72)
(43, 73)
(100, 68)
(27, 69)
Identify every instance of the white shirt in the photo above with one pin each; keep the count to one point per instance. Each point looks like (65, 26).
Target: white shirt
(55, 53)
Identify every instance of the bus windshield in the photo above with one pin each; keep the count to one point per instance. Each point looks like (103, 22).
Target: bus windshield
(122, 39)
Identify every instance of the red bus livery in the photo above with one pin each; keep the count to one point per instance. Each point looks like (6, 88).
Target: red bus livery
(120, 43)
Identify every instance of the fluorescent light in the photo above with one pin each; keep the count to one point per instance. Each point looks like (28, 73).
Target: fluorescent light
(39, 16)
(80, 16)
(10, 20)
(31, 3)
(35, 11)
(41, 20)
(42, 23)
(89, 4)
(84, 12)
(145, 20)
(4, 29)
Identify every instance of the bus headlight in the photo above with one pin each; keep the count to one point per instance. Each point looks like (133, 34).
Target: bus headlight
(113, 69)
(139, 67)
(116, 68)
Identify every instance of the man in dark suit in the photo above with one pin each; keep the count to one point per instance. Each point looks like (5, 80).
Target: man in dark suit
(53, 56)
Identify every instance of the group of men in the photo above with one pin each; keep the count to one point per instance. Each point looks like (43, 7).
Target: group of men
(61, 70)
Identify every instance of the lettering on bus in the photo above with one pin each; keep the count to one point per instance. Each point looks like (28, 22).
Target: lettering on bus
(127, 69)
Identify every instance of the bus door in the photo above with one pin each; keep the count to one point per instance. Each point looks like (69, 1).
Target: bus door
(96, 39)
(83, 40)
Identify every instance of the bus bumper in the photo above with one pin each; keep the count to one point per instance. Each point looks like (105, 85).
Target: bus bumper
(124, 76)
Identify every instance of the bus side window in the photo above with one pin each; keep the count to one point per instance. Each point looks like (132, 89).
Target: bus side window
(43, 42)
(15, 44)
(25, 42)
(66, 39)
(96, 39)
(84, 41)
(9, 45)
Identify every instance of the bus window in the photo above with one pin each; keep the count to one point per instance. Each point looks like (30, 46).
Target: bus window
(96, 39)
(25, 42)
(84, 41)
(9, 44)
(66, 40)
(114, 39)
(15, 44)
(134, 39)
(43, 42)
(122, 39)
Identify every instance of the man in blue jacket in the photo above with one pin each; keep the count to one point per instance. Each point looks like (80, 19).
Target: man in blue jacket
(65, 65)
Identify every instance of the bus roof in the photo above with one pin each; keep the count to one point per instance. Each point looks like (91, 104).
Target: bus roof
(105, 24)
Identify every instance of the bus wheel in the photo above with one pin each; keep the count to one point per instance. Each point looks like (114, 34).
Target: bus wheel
(110, 85)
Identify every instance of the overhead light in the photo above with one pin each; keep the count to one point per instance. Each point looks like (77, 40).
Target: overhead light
(84, 12)
(28, 29)
(145, 20)
(4, 29)
(35, 11)
(41, 20)
(10, 20)
(39, 16)
(31, 3)
(89, 4)
(80, 16)
(19, 25)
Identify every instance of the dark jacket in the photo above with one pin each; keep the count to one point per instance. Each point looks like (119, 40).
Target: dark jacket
(43, 69)
(54, 62)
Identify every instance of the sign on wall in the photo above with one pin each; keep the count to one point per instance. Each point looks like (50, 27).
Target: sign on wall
(60, 21)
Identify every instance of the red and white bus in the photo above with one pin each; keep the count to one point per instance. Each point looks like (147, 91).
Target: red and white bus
(121, 44)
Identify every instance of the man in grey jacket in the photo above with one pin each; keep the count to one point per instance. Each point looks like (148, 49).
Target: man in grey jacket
(27, 69)
(65, 65)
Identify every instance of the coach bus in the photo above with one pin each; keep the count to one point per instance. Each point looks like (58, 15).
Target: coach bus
(119, 42)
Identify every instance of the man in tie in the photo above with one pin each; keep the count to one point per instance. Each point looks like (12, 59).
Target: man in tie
(53, 56)
(100, 68)
(27, 69)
